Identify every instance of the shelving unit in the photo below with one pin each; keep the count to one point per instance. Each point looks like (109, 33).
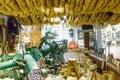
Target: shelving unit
(111, 40)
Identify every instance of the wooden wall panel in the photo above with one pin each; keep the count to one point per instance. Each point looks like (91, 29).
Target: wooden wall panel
(86, 39)
(35, 36)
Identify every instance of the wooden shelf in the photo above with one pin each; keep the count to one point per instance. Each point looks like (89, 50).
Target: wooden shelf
(107, 66)
(99, 61)
(113, 67)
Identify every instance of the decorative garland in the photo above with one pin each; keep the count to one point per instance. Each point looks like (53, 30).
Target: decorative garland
(49, 3)
(72, 4)
(62, 3)
(113, 19)
(77, 11)
(92, 5)
(86, 5)
(81, 2)
(56, 3)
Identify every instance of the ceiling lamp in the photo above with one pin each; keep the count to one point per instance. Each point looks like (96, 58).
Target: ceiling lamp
(43, 10)
(52, 19)
(59, 9)
(57, 19)
(65, 17)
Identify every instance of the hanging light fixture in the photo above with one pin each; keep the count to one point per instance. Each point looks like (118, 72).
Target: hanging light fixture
(58, 9)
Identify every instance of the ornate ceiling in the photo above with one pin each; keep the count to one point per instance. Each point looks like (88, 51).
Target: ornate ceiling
(78, 12)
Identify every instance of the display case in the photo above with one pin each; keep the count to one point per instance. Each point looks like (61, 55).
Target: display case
(80, 38)
(111, 40)
(91, 40)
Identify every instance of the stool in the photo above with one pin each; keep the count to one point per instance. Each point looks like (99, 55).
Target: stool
(72, 67)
